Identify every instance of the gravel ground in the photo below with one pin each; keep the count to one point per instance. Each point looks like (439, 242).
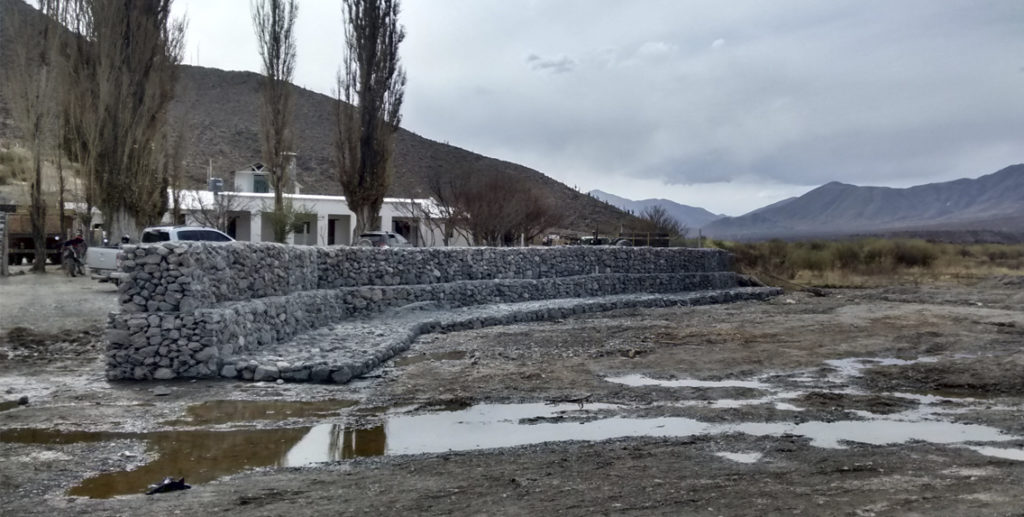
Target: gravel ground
(53, 302)
(863, 402)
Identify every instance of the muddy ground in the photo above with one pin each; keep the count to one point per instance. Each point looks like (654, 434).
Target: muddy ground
(905, 400)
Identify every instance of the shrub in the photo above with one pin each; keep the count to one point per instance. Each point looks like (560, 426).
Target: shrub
(876, 253)
(811, 259)
(913, 253)
(847, 255)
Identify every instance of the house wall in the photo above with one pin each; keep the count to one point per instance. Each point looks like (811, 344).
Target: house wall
(253, 223)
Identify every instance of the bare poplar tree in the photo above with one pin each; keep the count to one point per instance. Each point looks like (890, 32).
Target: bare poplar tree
(274, 21)
(135, 49)
(174, 143)
(79, 90)
(218, 213)
(30, 85)
(371, 85)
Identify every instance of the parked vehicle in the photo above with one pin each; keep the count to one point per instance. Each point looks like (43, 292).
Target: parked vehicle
(105, 263)
(182, 233)
(21, 247)
(382, 240)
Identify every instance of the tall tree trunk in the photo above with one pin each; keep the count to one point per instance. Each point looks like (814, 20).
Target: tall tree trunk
(280, 218)
(364, 221)
(37, 214)
(60, 197)
(120, 222)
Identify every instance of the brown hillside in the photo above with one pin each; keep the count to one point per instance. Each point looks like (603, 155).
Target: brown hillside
(223, 111)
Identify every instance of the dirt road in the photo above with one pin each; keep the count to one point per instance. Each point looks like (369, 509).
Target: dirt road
(865, 402)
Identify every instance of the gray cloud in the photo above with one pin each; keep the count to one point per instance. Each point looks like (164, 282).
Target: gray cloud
(557, 65)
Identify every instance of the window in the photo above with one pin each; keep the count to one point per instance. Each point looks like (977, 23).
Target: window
(156, 236)
(202, 235)
(259, 184)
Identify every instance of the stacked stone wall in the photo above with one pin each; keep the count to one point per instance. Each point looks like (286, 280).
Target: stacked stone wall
(186, 308)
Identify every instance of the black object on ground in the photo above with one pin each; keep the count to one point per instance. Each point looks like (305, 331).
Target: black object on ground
(169, 484)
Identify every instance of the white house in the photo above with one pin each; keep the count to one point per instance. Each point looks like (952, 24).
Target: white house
(247, 211)
(254, 178)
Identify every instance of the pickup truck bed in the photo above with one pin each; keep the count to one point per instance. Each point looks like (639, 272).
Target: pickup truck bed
(103, 263)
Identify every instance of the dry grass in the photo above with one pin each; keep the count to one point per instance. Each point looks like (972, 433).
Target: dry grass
(14, 165)
(876, 262)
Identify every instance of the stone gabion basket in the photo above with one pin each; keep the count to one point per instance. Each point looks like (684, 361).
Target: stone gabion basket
(187, 307)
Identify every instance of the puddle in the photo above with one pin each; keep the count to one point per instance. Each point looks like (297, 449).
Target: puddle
(404, 361)
(204, 455)
(216, 412)
(642, 380)
(785, 406)
(831, 435)
(998, 452)
(853, 366)
(774, 399)
(51, 437)
(741, 457)
(201, 455)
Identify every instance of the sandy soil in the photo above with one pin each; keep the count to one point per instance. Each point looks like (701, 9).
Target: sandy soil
(866, 402)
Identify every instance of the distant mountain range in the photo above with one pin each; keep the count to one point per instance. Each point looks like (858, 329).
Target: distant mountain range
(691, 216)
(987, 208)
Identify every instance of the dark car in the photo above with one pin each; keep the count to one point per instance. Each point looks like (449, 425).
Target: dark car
(382, 240)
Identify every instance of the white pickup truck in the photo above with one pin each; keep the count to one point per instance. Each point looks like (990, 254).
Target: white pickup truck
(105, 262)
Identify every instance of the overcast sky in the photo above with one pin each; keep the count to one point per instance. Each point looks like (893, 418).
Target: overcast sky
(725, 105)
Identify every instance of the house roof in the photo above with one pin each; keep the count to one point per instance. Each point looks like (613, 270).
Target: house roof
(256, 167)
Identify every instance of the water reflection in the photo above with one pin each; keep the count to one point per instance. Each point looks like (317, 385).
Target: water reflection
(332, 442)
(202, 455)
(637, 380)
(217, 412)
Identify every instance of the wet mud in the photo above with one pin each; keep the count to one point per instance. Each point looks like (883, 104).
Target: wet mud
(861, 402)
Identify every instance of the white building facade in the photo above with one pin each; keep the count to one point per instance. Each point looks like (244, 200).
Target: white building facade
(321, 220)
(245, 213)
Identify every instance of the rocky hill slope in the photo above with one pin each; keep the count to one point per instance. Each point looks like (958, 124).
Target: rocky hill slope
(691, 216)
(992, 203)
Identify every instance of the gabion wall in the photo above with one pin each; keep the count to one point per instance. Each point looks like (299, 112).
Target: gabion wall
(186, 307)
